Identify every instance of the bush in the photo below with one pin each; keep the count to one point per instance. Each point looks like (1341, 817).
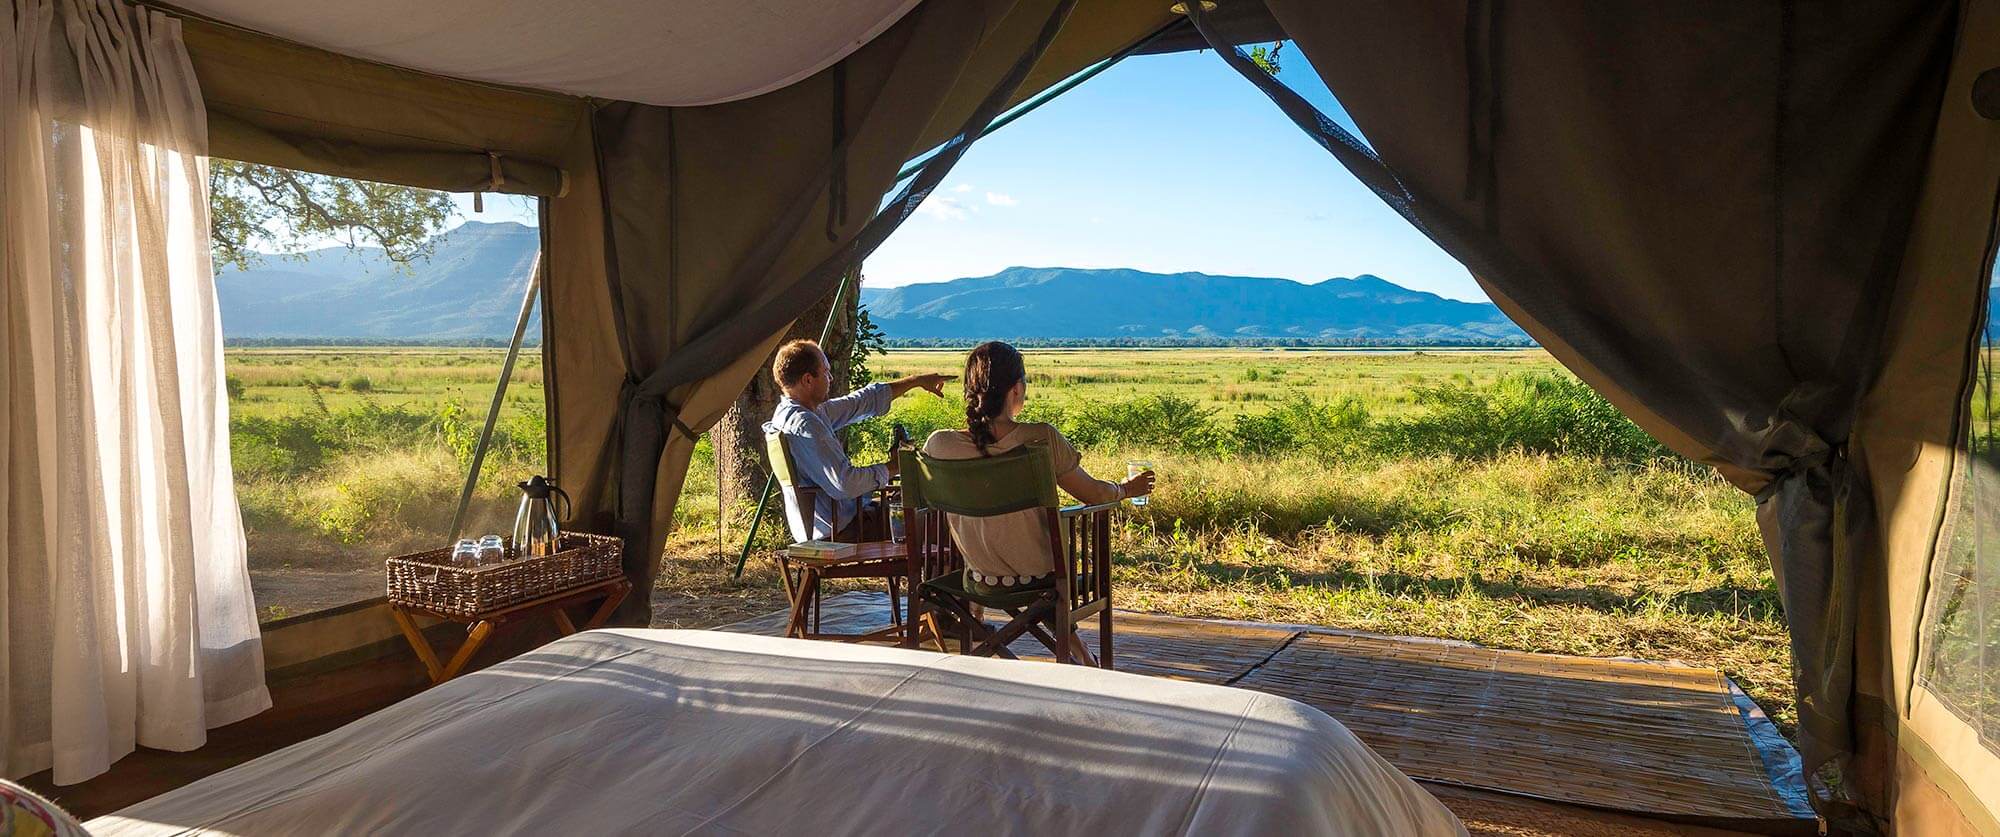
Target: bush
(1325, 428)
(1536, 413)
(233, 386)
(358, 383)
(295, 445)
(1165, 422)
(1530, 413)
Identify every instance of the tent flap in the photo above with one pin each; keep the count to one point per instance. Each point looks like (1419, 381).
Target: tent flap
(1704, 203)
(720, 226)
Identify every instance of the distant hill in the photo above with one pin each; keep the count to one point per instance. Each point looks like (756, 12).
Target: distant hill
(469, 288)
(1060, 303)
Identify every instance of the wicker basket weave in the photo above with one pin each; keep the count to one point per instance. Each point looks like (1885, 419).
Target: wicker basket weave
(428, 580)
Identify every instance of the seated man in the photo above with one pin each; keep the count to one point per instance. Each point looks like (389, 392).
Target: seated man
(809, 420)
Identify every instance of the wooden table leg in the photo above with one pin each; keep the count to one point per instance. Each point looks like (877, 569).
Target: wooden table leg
(612, 599)
(563, 623)
(474, 638)
(816, 610)
(418, 643)
(803, 592)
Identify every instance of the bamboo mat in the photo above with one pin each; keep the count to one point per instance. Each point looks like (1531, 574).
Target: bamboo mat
(854, 612)
(1162, 646)
(1618, 734)
(1170, 646)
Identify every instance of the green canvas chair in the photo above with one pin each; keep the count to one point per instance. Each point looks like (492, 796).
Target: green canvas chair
(934, 490)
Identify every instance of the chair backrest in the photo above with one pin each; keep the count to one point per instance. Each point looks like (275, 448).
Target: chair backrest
(799, 499)
(1022, 478)
(935, 489)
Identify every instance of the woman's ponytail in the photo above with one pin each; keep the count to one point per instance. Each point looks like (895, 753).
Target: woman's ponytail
(991, 371)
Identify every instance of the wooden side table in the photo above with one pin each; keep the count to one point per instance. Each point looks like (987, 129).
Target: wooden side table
(874, 559)
(480, 628)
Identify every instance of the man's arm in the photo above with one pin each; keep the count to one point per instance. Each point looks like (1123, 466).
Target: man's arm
(931, 381)
(818, 452)
(873, 400)
(864, 403)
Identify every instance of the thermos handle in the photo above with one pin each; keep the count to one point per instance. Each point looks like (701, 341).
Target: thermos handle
(567, 509)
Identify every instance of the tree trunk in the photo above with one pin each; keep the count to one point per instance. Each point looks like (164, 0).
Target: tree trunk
(739, 437)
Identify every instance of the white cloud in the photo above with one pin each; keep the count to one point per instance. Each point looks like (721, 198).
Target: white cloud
(1000, 199)
(962, 188)
(943, 208)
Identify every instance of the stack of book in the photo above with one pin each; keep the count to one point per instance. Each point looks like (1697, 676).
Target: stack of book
(821, 550)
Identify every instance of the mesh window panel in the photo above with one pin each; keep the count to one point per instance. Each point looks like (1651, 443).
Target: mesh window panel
(1962, 621)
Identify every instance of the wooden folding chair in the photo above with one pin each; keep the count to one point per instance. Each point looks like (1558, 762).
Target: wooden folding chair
(1079, 540)
(802, 579)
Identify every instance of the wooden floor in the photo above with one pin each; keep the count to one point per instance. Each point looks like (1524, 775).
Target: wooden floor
(1659, 740)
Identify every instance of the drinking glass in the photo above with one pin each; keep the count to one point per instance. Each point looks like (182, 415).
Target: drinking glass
(1134, 468)
(492, 550)
(896, 520)
(465, 554)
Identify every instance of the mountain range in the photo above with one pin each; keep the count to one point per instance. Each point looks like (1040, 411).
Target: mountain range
(1062, 303)
(470, 288)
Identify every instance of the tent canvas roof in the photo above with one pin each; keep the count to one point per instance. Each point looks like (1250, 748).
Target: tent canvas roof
(685, 53)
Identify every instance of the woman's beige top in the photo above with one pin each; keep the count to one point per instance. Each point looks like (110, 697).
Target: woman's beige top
(1014, 548)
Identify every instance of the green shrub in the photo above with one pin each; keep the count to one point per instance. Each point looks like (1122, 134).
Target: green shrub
(1538, 413)
(1324, 428)
(358, 383)
(276, 448)
(1166, 422)
(1528, 413)
(233, 386)
(301, 443)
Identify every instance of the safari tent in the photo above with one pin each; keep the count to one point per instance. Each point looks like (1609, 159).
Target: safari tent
(1764, 230)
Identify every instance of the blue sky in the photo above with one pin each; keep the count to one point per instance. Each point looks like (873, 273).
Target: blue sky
(1164, 163)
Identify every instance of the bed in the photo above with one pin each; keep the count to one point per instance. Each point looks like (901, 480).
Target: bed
(675, 732)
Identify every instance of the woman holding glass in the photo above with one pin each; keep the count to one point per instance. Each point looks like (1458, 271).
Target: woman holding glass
(1011, 551)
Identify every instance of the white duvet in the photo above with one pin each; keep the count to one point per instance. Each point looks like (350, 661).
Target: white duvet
(694, 732)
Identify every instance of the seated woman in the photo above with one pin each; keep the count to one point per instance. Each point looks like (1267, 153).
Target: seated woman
(1008, 551)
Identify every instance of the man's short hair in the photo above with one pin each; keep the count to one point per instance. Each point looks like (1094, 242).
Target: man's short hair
(796, 360)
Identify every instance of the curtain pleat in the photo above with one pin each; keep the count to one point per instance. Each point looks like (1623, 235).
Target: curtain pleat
(127, 611)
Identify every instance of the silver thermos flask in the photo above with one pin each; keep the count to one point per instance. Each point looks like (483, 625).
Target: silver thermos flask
(538, 526)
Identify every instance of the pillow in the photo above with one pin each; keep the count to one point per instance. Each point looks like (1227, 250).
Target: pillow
(23, 813)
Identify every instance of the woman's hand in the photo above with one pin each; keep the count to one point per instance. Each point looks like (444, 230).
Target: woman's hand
(1138, 486)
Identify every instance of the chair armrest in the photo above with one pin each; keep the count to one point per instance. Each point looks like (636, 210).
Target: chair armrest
(1079, 510)
(1087, 533)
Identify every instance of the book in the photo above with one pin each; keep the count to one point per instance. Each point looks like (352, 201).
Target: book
(821, 550)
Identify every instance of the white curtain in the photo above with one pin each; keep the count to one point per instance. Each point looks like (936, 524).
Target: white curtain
(125, 596)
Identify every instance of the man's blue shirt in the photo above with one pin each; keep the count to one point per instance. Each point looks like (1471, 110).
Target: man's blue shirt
(821, 460)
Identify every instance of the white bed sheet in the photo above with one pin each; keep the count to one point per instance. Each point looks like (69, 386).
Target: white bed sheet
(696, 732)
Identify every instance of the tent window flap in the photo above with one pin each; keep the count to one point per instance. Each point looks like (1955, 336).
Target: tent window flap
(1961, 633)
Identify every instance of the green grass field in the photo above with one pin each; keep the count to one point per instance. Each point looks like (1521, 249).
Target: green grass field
(1484, 496)
(1241, 380)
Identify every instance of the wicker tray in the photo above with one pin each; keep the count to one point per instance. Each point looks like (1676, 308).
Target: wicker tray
(427, 580)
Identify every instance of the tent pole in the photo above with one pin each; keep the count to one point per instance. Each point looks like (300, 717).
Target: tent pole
(1045, 96)
(499, 393)
(771, 480)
